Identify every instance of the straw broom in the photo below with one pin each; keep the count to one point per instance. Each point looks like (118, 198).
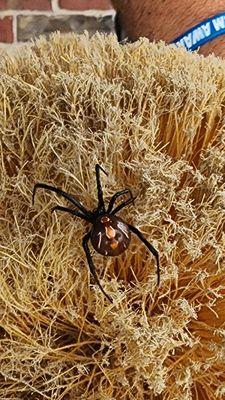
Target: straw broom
(153, 117)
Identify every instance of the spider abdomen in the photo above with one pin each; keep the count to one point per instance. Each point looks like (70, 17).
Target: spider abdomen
(110, 235)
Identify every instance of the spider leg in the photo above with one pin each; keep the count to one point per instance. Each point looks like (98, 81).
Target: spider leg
(91, 265)
(101, 205)
(149, 246)
(123, 204)
(61, 193)
(115, 196)
(73, 212)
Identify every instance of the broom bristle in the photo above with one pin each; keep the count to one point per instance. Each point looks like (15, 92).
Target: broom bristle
(152, 116)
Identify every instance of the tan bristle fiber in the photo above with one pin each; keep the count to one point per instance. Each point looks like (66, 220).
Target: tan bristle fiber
(153, 117)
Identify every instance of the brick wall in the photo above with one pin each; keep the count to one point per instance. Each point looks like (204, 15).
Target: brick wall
(21, 20)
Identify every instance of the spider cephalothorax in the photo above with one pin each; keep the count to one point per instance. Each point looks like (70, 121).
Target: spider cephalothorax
(109, 235)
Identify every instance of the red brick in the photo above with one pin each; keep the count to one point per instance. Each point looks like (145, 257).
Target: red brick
(85, 4)
(6, 30)
(25, 5)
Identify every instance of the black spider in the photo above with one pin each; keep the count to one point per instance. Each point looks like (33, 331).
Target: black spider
(110, 235)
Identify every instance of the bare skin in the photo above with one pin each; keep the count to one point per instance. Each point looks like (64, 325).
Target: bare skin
(168, 19)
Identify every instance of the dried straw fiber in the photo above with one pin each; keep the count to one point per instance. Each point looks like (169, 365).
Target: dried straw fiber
(153, 117)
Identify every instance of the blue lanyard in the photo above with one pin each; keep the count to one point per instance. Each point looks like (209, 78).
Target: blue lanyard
(202, 33)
